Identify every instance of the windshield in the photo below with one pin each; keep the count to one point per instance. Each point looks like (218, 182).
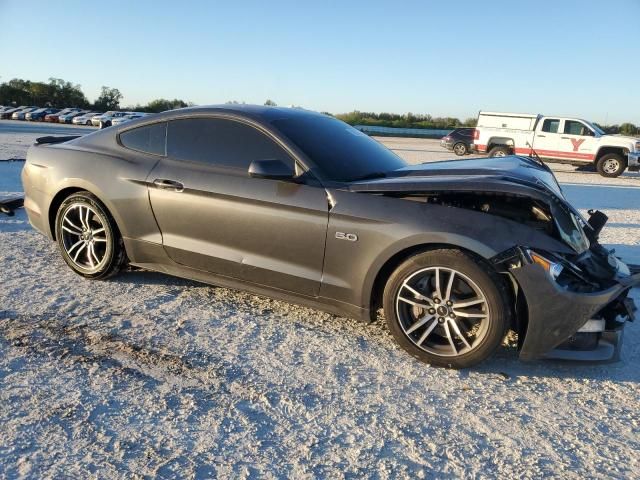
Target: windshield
(342, 153)
(595, 128)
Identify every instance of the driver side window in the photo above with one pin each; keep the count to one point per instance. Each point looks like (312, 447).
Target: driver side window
(572, 127)
(222, 143)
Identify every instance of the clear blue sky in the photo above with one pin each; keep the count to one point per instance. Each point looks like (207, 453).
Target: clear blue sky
(444, 58)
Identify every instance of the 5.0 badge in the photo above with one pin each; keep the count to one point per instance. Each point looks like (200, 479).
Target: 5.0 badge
(352, 237)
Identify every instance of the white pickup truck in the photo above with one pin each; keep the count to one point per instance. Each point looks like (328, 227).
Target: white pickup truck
(569, 140)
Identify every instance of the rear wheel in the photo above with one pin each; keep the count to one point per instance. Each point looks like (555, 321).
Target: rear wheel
(499, 151)
(611, 165)
(88, 237)
(446, 308)
(460, 149)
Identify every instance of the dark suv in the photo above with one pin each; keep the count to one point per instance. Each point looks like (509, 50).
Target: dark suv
(460, 141)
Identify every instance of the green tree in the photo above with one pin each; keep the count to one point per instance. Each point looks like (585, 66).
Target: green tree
(628, 129)
(162, 105)
(270, 103)
(109, 99)
(60, 93)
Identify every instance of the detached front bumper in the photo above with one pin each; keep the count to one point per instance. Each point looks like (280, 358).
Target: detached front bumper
(561, 324)
(633, 161)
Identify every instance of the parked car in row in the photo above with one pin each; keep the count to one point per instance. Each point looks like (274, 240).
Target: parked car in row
(85, 118)
(460, 141)
(68, 117)
(8, 111)
(106, 118)
(53, 117)
(128, 118)
(21, 114)
(39, 114)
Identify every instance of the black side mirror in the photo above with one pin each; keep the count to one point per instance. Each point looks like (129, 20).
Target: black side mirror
(273, 169)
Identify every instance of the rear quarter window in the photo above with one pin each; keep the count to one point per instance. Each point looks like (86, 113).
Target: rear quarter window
(148, 139)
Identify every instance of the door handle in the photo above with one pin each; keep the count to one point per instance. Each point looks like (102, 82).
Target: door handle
(168, 184)
(566, 138)
(542, 136)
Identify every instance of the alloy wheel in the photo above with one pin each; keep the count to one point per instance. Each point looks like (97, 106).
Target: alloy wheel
(442, 311)
(459, 149)
(84, 237)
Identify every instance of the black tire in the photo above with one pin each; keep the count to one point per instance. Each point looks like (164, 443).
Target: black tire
(611, 165)
(112, 254)
(460, 149)
(499, 151)
(495, 302)
(88, 124)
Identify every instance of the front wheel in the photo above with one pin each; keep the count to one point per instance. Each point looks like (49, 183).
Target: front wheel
(446, 308)
(460, 149)
(88, 237)
(611, 165)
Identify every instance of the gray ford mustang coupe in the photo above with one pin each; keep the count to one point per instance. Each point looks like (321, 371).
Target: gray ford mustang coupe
(300, 206)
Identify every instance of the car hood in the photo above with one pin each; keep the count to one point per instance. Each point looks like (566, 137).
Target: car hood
(511, 174)
(618, 139)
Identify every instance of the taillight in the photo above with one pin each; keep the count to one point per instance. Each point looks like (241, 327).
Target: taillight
(476, 134)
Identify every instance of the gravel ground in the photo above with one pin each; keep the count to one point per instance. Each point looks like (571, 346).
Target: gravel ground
(149, 375)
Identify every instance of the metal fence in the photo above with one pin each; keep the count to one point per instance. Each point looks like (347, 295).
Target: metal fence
(403, 132)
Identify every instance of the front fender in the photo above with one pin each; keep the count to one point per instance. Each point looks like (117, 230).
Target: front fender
(386, 226)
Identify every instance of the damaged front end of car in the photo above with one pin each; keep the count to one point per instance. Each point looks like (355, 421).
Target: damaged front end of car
(571, 304)
(571, 294)
(576, 305)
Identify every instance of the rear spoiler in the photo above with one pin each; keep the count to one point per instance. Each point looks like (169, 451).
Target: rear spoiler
(51, 139)
(8, 205)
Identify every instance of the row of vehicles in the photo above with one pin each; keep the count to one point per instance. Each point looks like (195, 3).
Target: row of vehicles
(75, 116)
(560, 139)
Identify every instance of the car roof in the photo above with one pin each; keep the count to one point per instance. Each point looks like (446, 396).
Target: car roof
(262, 112)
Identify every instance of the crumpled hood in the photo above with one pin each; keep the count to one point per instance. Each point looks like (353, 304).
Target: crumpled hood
(511, 174)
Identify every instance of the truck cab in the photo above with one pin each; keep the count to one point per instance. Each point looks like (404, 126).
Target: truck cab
(562, 139)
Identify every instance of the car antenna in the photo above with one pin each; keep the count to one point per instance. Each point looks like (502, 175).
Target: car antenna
(535, 154)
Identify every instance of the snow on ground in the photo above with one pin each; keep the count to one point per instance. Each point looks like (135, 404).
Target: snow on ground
(147, 374)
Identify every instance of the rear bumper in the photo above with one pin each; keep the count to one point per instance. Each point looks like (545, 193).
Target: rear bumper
(562, 324)
(633, 161)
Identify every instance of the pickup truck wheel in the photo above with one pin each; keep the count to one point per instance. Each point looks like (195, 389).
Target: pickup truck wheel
(460, 149)
(446, 308)
(500, 151)
(611, 165)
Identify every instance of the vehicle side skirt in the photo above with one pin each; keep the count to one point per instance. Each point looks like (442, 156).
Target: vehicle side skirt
(151, 256)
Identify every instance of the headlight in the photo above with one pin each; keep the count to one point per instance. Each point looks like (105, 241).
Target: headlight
(552, 268)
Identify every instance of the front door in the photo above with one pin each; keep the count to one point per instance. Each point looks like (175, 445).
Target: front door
(577, 141)
(214, 217)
